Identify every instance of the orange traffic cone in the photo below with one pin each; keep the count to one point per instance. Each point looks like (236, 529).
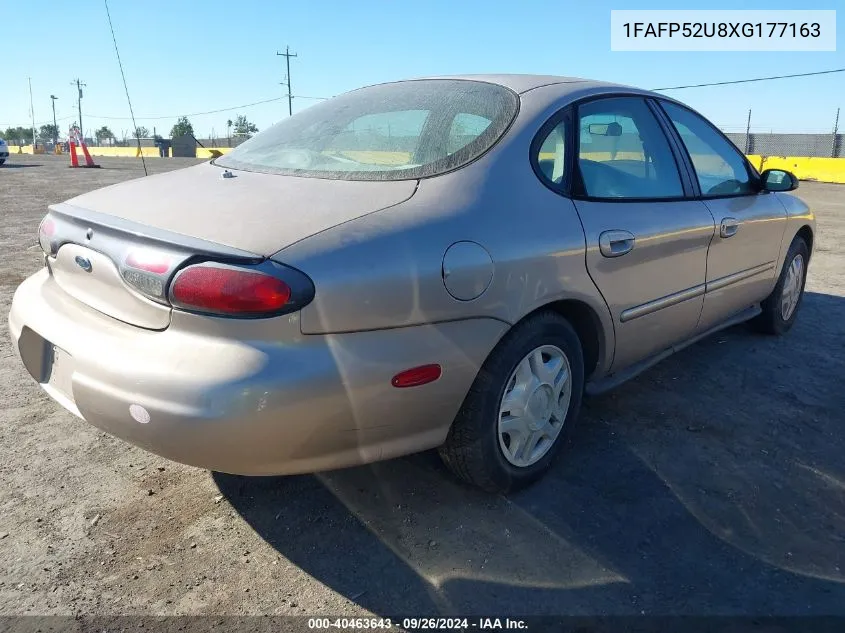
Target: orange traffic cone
(74, 160)
(89, 162)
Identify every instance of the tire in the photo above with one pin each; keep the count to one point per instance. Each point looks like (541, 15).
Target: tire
(476, 449)
(2, 160)
(772, 320)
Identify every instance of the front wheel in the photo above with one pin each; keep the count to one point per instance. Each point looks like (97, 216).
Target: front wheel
(520, 407)
(2, 160)
(781, 307)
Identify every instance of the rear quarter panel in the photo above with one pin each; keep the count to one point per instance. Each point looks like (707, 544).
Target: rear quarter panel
(385, 270)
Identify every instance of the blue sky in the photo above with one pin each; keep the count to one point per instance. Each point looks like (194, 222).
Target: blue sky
(183, 57)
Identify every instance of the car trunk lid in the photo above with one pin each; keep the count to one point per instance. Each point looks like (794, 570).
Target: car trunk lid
(117, 249)
(255, 212)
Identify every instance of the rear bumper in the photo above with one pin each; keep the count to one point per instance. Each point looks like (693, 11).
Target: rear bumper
(268, 401)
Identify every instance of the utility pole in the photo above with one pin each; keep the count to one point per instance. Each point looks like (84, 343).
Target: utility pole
(835, 132)
(287, 55)
(32, 112)
(55, 126)
(79, 85)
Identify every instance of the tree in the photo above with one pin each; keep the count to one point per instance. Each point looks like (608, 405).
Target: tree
(103, 134)
(48, 132)
(18, 135)
(183, 127)
(244, 127)
(142, 132)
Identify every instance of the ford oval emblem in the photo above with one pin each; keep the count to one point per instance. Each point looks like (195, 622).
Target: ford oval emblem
(84, 264)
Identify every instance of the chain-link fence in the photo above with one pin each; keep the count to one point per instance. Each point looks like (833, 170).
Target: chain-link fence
(769, 144)
(753, 139)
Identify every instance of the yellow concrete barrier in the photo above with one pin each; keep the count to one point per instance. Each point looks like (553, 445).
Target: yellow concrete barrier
(377, 157)
(806, 168)
(126, 152)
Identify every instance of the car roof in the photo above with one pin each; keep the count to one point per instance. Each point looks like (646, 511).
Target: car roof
(520, 83)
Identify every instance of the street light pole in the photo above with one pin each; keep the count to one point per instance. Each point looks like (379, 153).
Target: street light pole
(55, 126)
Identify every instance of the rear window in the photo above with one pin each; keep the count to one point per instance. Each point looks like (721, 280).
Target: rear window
(397, 131)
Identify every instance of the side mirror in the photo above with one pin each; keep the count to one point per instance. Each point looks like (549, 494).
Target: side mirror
(778, 180)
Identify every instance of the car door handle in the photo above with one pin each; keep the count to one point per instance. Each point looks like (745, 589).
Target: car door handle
(616, 243)
(728, 227)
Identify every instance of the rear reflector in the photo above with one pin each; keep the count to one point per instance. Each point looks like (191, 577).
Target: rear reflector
(416, 376)
(225, 290)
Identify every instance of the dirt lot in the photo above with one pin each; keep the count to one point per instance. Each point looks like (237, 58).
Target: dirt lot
(713, 484)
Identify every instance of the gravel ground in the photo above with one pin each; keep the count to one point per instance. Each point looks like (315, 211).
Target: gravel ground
(712, 484)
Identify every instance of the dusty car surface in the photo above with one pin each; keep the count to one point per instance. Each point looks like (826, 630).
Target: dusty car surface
(447, 262)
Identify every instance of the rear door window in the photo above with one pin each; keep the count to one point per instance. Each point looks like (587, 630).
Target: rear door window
(623, 153)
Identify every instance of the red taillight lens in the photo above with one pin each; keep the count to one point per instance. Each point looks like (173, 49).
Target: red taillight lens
(229, 290)
(416, 376)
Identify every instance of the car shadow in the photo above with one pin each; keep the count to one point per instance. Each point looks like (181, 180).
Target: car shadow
(712, 484)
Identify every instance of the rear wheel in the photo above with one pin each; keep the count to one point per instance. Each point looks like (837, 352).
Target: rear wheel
(781, 307)
(2, 160)
(520, 408)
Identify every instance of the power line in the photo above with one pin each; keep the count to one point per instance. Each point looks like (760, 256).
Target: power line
(263, 101)
(745, 81)
(174, 116)
(125, 88)
(43, 122)
(255, 103)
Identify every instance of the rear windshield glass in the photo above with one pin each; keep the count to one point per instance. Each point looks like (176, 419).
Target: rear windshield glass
(395, 131)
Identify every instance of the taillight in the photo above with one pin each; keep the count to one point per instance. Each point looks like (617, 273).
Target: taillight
(149, 261)
(146, 270)
(46, 231)
(231, 290)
